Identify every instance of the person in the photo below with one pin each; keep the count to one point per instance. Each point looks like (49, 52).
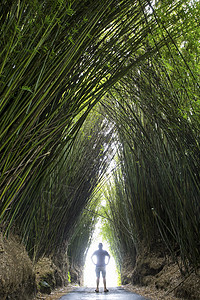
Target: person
(101, 265)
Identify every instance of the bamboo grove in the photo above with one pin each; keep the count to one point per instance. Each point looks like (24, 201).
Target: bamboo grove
(154, 196)
(79, 81)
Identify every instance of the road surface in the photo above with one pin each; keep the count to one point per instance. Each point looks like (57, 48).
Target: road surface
(117, 293)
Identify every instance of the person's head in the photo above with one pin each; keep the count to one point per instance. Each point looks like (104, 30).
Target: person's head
(100, 245)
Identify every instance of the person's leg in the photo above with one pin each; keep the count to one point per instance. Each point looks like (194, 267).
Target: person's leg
(97, 289)
(104, 279)
(104, 283)
(98, 276)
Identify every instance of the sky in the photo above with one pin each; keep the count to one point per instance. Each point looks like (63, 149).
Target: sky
(89, 271)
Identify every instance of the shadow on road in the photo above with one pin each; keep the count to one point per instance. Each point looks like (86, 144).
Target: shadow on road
(116, 293)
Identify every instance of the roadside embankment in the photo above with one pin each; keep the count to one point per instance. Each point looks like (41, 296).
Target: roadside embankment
(20, 279)
(17, 278)
(157, 277)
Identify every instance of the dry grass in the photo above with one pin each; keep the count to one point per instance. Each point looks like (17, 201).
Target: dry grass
(56, 294)
(169, 284)
(149, 292)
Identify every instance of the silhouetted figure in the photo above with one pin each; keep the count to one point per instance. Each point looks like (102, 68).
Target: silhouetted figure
(101, 265)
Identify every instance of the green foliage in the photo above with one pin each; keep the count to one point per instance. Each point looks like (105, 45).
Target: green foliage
(82, 235)
(49, 74)
(117, 227)
(158, 129)
(57, 61)
(48, 222)
(69, 277)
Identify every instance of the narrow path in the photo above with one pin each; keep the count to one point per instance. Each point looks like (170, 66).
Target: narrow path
(117, 293)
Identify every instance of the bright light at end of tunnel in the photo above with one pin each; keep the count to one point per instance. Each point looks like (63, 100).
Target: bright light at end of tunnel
(89, 271)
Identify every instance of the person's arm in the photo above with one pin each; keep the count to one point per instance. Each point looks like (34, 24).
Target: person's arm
(92, 258)
(108, 259)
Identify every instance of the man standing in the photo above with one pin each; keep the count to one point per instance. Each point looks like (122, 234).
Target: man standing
(101, 265)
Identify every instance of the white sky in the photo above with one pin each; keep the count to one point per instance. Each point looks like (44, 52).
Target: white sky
(89, 271)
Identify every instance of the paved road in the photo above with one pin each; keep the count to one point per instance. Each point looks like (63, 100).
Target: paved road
(113, 294)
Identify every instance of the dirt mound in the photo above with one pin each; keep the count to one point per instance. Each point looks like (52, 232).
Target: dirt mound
(20, 279)
(48, 275)
(17, 279)
(174, 283)
(146, 268)
(156, 276)
(76, 274)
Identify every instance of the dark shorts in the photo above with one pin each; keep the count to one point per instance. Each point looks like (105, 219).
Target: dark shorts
(101, 270)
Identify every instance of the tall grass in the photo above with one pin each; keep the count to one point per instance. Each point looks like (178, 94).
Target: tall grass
(48, 222)
(82, 236)
(57, 60)
(118, 225)
(156, 112)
